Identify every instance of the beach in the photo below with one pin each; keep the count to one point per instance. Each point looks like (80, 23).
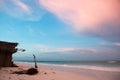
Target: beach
(49, 72)
(59, 39)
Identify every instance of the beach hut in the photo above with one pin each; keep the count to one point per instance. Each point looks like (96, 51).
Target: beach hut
(6, 51)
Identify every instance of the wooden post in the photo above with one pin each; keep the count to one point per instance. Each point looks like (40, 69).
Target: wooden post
(35, 61)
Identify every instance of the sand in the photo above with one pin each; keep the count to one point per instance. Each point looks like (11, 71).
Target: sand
(48, 74)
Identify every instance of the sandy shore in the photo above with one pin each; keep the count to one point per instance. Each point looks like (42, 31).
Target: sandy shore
(48, 74)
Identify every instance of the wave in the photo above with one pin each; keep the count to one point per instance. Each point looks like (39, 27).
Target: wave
(112, 61)
(91, 67)
(101, 68)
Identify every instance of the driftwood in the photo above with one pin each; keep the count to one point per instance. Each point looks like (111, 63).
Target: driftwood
(35, 61)
(31, 71)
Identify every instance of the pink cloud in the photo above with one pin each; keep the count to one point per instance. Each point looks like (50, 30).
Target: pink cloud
(65, 49)
(87, 50)
(22, 5)
(96, 16)
(59, 50)
(83, 13)
(23, 10)
(117, 44)
(1, 2)
(75, 50)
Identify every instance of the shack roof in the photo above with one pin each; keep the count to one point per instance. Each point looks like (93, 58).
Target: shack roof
(11, 43)
(8, 46)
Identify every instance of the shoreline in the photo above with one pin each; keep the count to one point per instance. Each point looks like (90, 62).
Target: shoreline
(89, 67)
(56, 73)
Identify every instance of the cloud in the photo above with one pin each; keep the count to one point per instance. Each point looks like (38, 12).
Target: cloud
(42, 33)
(64, 50)
(28, 10)
(95, 18)
(1, 3)
(104, 43)
(117, 44)
(47, 52)
(71, 50)
(77, 50)
(87, 50)
(22, 5)
(67, 50)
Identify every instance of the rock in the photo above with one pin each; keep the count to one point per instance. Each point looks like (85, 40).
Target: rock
(19, 72)
(32, 71)
(45, 73)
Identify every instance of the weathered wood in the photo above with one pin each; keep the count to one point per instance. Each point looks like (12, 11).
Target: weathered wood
(8, 46)
(35, 61)
(6, 51)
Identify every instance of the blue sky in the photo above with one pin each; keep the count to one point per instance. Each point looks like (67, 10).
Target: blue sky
(56, 30)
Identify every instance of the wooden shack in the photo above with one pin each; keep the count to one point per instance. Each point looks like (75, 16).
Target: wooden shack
(6, 51)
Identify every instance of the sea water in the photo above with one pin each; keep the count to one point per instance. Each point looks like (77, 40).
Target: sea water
(94, 65)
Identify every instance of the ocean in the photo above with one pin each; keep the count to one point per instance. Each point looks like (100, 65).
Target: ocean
(94, 65)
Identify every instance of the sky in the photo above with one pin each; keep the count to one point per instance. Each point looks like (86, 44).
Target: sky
(57, 30)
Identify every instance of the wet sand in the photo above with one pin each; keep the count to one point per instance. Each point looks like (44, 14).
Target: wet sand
(56, 74)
